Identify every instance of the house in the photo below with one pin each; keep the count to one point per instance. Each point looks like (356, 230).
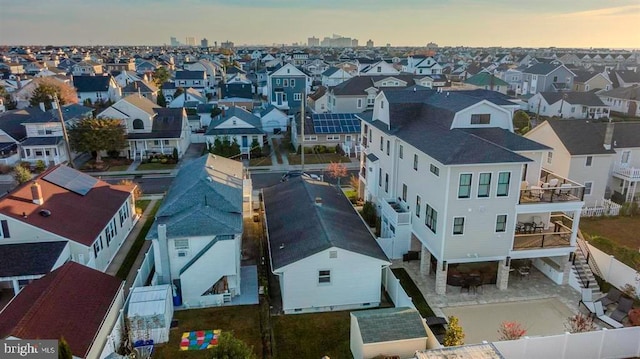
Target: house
(625, 100)
(432, 163)
(624, 78)
(334, 76)
(513, 77)
(47, 209)
(487, 81)
(237, 86)
(146, 66)
(126, 77)
(377, 68)
(322, 253)
(589, 81)
(421, 65)
(273, 120)
(12, 132)
(22, 263)
(545, 77)
(213, 69)
(243, 103)
(605, 157)
(197, 234)
(44, 141)
(330, 130)
(192, 79)
(318, 101)
(75, 302)
(287, 87)
(570, 104)
(150, 128)
(239, 125)
(86, 68)
(385, 332)
(316, 68)
(97, 88)
(189, 95)
(144, 88)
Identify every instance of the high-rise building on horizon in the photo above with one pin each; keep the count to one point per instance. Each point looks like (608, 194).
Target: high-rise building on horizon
(226, 45)
(370, 43)
(204, 42)
(313, 42)
(190, 41)
(174, 42)
(354, 42)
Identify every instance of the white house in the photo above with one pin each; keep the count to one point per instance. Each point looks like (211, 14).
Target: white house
(197, 235)
(570, 104)
(48, 208)
(189, 98)
(378, 68)
(334, 76)
(239, 125)
(97, 88)
(273, 120)
(625, 100)
(322, 252)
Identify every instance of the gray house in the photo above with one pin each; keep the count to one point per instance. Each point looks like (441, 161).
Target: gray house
(545, 77)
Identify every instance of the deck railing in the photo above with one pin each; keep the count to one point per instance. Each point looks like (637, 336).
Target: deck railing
(623, 169)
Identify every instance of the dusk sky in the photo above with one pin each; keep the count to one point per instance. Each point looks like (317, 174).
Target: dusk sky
(534, 23)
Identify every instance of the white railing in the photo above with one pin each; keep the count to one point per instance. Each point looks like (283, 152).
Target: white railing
(392, 286)
(623, 169)
(616, 343)
(614, 271)
(396, 212)
(607, 208)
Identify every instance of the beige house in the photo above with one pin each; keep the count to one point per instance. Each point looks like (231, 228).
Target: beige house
(589, 81)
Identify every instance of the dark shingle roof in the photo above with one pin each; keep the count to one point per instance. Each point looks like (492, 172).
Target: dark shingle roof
(22, 259)
(41, 141)
(540, 69)
(628, 93)
(389, 324)
(573, 97)
(11, 122)
(587, 138)
(507, 139)
(91, 83)
(298, 228)
(244, 115)
(189, 75)
(166, 124)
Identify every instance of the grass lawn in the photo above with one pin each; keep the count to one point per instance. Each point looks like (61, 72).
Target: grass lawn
(142, 204)
(615, 235)
(312, 335)
(124, 270)
(118, 168)
(155, 166)
(243, 321)
(260, 161)
(315, 158)
(413, 292)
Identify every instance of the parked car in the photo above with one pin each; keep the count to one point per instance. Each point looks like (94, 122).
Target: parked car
(294, 174)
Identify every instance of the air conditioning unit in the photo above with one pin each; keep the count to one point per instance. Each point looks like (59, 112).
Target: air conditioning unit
(183, 253)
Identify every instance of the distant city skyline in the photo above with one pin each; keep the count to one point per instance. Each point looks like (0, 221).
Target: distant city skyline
(480, 23)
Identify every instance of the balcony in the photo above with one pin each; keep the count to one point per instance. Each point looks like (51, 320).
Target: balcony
(396, 212)
(552, 188)
(622, 170)
(531, 235)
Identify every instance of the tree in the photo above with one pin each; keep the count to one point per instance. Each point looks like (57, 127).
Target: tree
(256, 149)
(9, 104)
(162, 101)
(579, 323)
(511, 331)
(521, 122)
(230, 347)
(47, 88)
(215, 111)
(161, 75)
(179, 91)
(22, 174)
(337, 171)
(96, 135)
(64, 351)
(454, 335)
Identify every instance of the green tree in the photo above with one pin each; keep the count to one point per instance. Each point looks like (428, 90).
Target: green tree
(44, 93)
(97, 134)
(230, 347)
(179, 91)
(64, 351)
(9, 104)
(256, 150)
(40, 165)
(161, 75)
(22, 174)
(521, 122)
(215, 111)
(162, 101)
(454, 335)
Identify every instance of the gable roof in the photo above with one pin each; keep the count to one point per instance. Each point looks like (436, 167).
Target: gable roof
(573, 97)
(167, 123)
(70, 302)
(102, 202)
(540, 69)
(627, 93)
(270, 108)
(240, 113)
(205, 198)
(485, 79)
(190, 75)
(23, 259)
(140, 86)
(92, 83)
(298, 228)
(591, 138)
(11, 122)
(139, 102)
(390, 324)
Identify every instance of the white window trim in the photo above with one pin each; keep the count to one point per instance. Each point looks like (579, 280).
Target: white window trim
(506, 223)
(490, 181)
(324, 276)
(590, 188)
(508, 186)
(470, 186)
(453, 226)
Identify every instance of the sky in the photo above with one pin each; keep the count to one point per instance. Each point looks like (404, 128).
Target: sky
(508, 23)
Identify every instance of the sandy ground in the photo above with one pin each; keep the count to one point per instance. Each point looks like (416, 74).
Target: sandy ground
(538, 317)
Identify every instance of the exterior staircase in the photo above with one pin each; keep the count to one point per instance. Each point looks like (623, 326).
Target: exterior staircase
(583, 269)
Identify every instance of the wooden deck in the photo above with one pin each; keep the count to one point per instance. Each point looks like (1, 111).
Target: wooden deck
(546, 239)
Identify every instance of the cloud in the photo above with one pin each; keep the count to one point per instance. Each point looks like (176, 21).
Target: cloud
(610, 11)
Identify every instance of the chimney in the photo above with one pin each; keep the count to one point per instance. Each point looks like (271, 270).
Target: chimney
(41, 104)
(18, 82)
(223, 112)
(319, 201)
(608, 136)
(36, 193)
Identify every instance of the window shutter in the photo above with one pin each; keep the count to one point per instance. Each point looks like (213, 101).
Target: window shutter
(5, 229)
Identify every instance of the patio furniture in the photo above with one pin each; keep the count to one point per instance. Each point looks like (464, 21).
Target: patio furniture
(605, 319)
(565, 189)
(612, 297)
(553, 182)
(524, 272)
(624, 306)
(587, 300)
(538, 224)
(536, 191)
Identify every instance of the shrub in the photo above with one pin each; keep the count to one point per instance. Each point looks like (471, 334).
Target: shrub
(308, 150)
(511, 331)
(40, 166)
(164, 161)
(352, 195)
(4, 169)
(579, 323)
(369, 213)
(113, 154)
(454, 335)
(175, 154)
(22, 174)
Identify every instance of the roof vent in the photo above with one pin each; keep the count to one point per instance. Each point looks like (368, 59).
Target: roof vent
(319, 201)
(282, 246)
(45, 213)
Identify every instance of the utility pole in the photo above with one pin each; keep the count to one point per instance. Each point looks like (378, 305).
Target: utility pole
(303, 117)
(64, 131)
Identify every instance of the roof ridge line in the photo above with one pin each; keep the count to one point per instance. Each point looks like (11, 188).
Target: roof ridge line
(316, 211)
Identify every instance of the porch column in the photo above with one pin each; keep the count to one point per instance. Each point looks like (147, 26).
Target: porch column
(162, 146)
(574, 227)
(425, 261)
(16, 286)
(441, 277)
(566, 268)
(502, 281)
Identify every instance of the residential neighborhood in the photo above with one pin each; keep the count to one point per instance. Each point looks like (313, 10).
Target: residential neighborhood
(230, 196)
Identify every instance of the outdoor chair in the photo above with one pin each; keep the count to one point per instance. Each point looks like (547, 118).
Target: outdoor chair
(524, 272)
(587, 300)
(612, 297)
(605, 319)
(553, 182)
(624, 306)
(538, 224)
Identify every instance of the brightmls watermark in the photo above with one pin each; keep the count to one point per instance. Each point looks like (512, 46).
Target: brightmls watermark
(38, 349)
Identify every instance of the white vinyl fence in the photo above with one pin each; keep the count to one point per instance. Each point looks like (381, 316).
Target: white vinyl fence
(607, 208)
(614, 271)
(392, 285)
(616, 343)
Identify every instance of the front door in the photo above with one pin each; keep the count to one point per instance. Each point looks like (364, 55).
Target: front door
(245, 141)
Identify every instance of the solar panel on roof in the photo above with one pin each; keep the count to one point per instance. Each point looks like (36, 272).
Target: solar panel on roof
(71, 180)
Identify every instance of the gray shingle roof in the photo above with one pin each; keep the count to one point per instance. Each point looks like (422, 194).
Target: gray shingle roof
(298, 228)
(23, 259)
(389, 324)
(11, 122)
(244, 115)
(166, 124)
(507, 139)
(91, 83)
(628, 93)
(189, 75)
(573, 97)
(204, 199)
(587, 138)
(41, 141)
(540, 69)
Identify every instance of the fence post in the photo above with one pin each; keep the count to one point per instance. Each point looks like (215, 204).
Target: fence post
(611, 258)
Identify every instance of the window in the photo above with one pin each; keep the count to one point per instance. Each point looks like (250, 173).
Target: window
(381, 143)
(156, 142)
(404, 192)
(4, 227)
(481, 119)
(435, 170)
(359, 104)
(293, 83)
(418, 206)
(138, 124)
(333, 137)
(587, 188)
(589, 160)
(549, 157)
(484, 185)
(458, 225)
(277, 81)
(625, 157)
(166, 142)
(379, 69)
(310, 138)
(181, 244)
(370, 136)
(400, 151)
(381, 104)
(380, 177)
(431, 220)
(386, 182)
(324, 277)
(464, 188)
(503, 184)
(415, 162)
(285, 82)
(501, 223)
(388, 147)
(38, 152)
(297, 96)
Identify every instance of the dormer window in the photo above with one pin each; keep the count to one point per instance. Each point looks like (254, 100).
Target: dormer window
(480, 119)
(138, 124)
